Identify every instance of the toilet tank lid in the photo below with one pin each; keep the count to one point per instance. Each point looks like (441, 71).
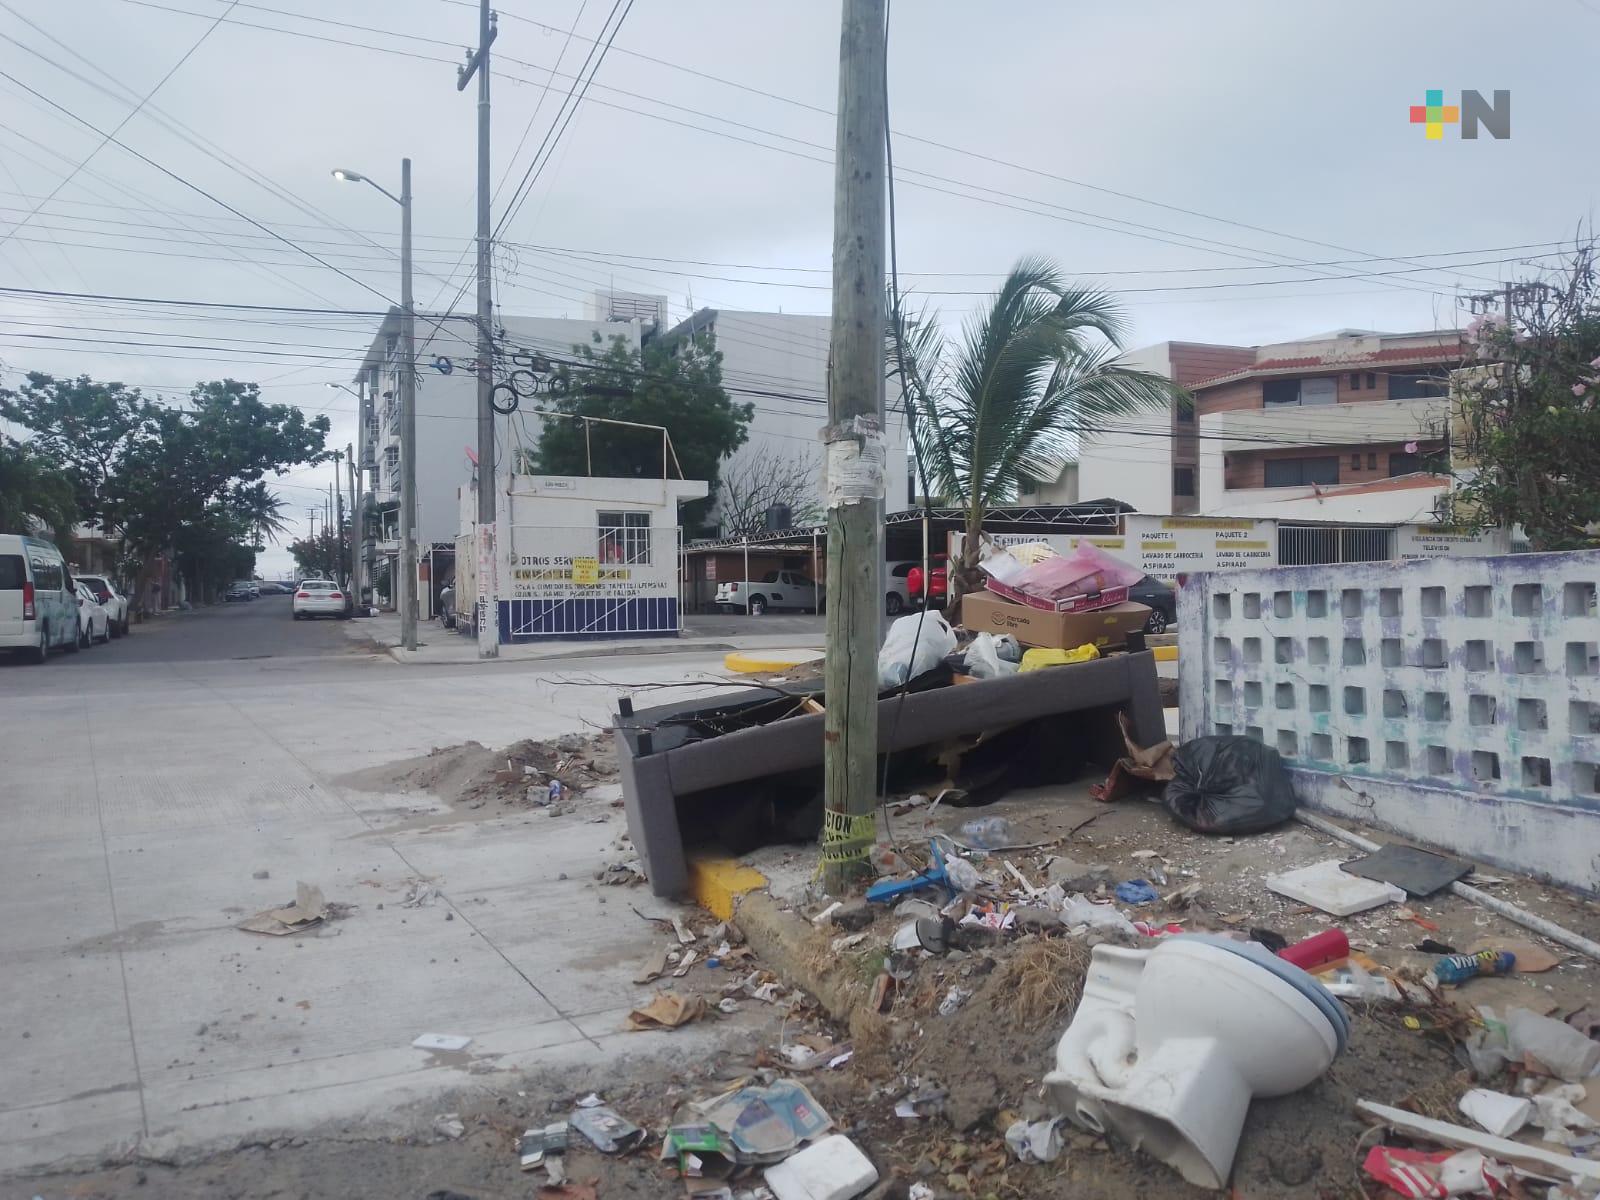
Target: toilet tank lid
(1301, 981)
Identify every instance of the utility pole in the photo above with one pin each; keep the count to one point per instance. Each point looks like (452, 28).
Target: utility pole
(337, 488)
(855, 450)
(487, 617)
(350, 468)
(408, 423)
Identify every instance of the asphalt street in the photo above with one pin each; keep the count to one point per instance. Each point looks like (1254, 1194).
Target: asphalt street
(157, 790)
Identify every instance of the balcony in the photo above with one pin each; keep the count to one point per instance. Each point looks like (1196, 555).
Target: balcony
(1367, 423)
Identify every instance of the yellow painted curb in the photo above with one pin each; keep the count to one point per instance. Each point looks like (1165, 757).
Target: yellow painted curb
(716, 883)
(1165, 653)
(755, 662)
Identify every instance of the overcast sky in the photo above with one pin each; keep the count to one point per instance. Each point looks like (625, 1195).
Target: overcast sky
(1282, 129)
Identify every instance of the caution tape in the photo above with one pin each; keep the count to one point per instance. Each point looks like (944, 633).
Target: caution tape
(847, 838)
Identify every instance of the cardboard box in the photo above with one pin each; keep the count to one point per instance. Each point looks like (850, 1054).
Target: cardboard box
(1067, 604)
(984, 612)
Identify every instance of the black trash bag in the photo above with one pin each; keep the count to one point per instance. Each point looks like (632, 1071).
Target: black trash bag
(1229, 785)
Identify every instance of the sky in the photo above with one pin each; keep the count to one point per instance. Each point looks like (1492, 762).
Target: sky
(1238, 172)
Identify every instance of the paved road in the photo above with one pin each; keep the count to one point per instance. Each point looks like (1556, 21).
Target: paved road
(146, 786)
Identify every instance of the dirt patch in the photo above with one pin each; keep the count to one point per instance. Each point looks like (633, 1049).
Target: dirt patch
(473, 776)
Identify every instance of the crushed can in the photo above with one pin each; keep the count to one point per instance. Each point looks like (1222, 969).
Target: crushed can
(553, 795)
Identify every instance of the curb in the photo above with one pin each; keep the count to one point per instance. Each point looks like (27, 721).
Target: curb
(717, 884)
(755, 662)
(801, 953)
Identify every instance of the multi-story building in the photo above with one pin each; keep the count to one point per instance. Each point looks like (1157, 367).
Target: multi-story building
(1348, 427)
(778, 362)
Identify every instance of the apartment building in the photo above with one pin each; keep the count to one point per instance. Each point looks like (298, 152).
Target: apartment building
(778, 362)
(1351, 426)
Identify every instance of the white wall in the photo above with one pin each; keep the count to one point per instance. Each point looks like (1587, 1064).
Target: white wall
(1131, 467)
(787, 353)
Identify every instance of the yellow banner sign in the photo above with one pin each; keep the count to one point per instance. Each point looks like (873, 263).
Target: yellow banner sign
(586, 570)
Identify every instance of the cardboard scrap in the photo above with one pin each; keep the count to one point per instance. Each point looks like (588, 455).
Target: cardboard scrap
(653, 967)
(1532, 958)
(307, 910)
(667, 1010)
(535, 1144)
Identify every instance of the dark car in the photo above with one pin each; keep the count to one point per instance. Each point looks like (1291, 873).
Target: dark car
(1163, 602)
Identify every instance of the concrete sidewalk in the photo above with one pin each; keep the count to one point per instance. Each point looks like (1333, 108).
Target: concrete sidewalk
(435, 644)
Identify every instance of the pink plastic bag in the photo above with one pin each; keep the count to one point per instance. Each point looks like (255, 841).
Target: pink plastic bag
(1086, 570)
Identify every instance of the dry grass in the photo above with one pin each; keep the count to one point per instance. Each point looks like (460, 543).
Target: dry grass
(1041, 980)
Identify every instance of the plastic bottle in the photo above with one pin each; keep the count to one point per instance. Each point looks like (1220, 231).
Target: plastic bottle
(1458, 968)
(1318, 950)
(554, 792)
(988, 833)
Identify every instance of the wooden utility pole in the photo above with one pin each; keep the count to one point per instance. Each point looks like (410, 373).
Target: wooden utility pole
(855, 450)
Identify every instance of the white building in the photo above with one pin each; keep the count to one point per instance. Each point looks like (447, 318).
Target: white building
(447, 430)
(580, 557)
(1347, 427)
(648, 309)
(778, 362)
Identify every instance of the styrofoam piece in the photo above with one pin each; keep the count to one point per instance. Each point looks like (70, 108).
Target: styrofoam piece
(1496, 1112)
(1323, 885)
(832, 1169)
(442, 1041)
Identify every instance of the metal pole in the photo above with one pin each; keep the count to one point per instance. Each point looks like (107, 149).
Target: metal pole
(408, 424)
(350, 537)
(337, 487)
(358, 558)
(488, 621)
(855, 451)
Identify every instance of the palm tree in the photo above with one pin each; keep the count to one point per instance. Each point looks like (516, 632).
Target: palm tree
(1030, 373)
(261, 511)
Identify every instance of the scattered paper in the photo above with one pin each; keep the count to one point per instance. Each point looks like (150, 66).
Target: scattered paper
(667, 1010)
(536, 1143)
(442, 1041)
(653, 967)
(609, 1133)
(685, 935)
(687, 961)
(592, 1100)
(1037, 1141)
(308, 910)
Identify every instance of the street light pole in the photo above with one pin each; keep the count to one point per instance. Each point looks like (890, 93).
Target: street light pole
(408, 406)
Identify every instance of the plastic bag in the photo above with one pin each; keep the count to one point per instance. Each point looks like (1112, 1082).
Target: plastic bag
(989, 833)
(1229, 785)
(937, 639)
(1086, 570)
(983, 661)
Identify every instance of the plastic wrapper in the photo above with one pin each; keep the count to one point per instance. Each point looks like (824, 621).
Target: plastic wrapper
(982, 659)
(1229, 785)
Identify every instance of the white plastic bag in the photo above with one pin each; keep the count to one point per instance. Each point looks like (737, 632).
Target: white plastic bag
(983, 659)
(937, 639)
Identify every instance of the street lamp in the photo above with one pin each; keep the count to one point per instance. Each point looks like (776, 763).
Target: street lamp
(408, 404)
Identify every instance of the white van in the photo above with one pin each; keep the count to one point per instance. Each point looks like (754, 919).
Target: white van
(38, 603)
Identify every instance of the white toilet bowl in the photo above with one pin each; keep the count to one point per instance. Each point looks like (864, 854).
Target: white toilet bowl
(1168, 1046)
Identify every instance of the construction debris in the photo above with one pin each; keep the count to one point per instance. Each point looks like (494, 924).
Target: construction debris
(306, 911)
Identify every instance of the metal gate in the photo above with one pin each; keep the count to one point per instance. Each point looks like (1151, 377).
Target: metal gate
(1313, 545)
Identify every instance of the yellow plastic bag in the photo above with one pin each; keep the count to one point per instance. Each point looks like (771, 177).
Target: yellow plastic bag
(1038, 659)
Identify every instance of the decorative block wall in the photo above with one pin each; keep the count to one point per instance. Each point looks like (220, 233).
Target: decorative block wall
(1454, 701)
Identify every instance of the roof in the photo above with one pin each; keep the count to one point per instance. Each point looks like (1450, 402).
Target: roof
(1439, 353)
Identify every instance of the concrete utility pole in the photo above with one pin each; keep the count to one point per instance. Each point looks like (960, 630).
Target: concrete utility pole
(408, 423)
(855, 450)
(487, 617)
(337, 488)
(353, 583)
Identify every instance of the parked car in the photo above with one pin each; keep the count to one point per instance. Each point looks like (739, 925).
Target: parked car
(94, 624)
(239, 589)
(938, 584)
(897, 592)
(255, 589)
(38, 603)
(776, 590)
(113, 601)
(319, 598)
(1163, 602)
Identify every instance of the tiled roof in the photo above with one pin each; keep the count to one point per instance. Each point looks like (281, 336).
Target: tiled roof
(1277, 366)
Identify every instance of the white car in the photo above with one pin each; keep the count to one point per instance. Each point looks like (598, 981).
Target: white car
(775, 589)
(113, 601)
(94, 624)
(318, 598)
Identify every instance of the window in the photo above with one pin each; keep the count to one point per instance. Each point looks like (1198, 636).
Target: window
(1305, 392)
(1404, 464)
(1183, 481)
(1355, 381)
(1297, 472)
(1355, 461)
(1411, 385)
(1372, 381)
(1185, 411)
(624, 537)
(12, 575)
(1372, 462)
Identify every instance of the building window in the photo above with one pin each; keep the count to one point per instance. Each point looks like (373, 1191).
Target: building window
(1355, 381)
(1276, 393)
(624, 537)
(1298, 472)
(1372, 462)
(1404, 464)
(1372, 381)
(1355, 461)
(1183, 481)
(1184, 407)
(1412, 385)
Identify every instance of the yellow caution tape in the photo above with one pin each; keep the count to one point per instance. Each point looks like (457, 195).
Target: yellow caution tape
(847, 838)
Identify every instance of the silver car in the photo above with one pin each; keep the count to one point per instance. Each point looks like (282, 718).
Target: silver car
(318, 598)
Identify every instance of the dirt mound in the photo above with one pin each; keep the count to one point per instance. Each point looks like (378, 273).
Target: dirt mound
(471, 775)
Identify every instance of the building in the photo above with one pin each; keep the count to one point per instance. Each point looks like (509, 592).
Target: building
(1349, 427)
(579, 557)
(447, 432)
(778, 362)
(649, 310)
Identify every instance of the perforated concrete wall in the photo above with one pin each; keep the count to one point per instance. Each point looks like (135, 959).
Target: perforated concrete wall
(1455, 701)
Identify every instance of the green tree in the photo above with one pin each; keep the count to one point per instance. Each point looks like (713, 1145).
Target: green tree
(676, 386)
(1530, 411)
(320, 556)
(35, 493)
(1030, 372)
(85, 428)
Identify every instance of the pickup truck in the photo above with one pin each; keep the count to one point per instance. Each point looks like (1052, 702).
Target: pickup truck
(776, 589)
